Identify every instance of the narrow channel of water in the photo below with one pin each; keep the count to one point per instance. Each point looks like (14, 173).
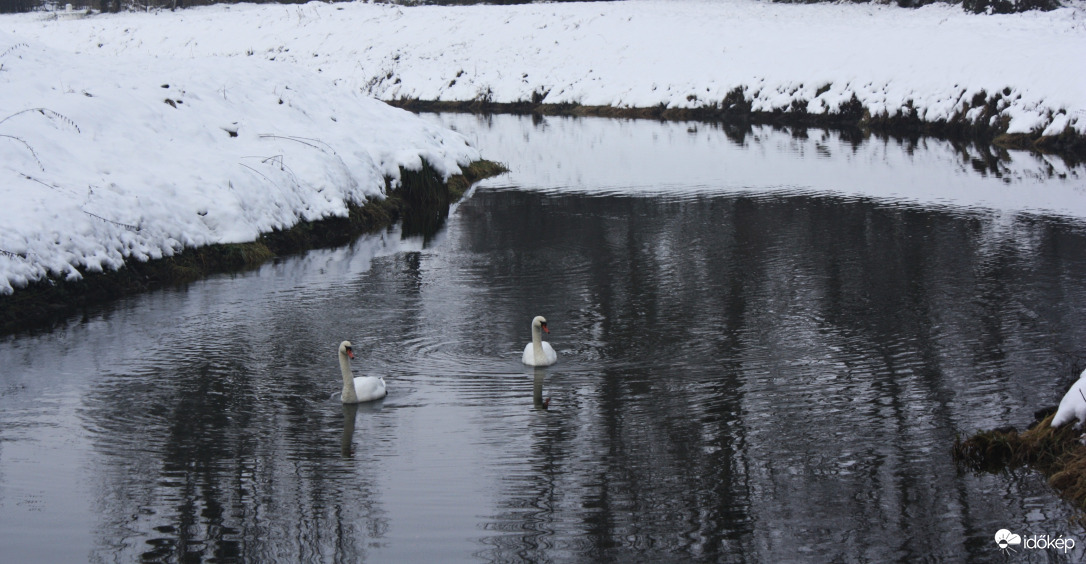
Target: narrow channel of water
(767, 345)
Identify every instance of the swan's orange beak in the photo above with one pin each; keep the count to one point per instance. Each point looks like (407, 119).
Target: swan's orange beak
(350, 353)
(544, 326)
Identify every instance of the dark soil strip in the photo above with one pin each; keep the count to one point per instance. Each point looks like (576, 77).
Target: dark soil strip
(422, 202)
(852, 119)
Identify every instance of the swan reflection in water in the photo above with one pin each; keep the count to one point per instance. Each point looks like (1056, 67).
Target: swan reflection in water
(350, 412)
(537, 391)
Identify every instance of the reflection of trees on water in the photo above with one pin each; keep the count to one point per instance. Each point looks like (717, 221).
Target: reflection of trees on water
(614, 475)
(528, 526)
(740, 378)
(773, 373)
(224, 452)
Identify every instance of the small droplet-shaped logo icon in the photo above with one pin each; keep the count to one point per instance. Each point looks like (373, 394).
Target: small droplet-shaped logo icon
(1006, 540)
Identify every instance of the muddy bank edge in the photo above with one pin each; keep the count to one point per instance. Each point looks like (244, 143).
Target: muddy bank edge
(422, 193)
(851, 117)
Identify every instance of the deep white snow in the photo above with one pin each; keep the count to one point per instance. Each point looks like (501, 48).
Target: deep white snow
(638, 53)
(116, 131)
(106, 158)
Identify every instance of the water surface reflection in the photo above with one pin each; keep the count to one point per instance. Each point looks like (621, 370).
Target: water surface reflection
(596, 155)
(744, 375)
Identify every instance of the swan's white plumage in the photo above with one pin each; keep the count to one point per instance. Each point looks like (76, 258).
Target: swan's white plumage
(539, 352)
(548, 357)
(1073, 405)
(361, 389)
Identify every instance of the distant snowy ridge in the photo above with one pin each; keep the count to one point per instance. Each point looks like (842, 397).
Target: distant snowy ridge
(1024, 73)
(105, 159)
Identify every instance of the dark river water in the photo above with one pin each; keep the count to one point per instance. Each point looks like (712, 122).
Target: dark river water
(767, 345)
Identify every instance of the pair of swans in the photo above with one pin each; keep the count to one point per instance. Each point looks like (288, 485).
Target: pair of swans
(370, 388)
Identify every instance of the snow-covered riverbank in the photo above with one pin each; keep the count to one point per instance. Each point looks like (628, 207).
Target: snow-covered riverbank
(138, 134)
(110, 158)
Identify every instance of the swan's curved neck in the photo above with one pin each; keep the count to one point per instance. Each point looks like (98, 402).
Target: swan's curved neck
(348, 379)
(537, 341)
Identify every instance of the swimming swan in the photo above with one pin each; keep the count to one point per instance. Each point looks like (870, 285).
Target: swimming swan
(363, 388)
(539, 352)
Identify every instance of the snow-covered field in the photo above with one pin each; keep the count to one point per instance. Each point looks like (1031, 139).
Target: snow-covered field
(639, 53)
(166, 129)
(106, 158)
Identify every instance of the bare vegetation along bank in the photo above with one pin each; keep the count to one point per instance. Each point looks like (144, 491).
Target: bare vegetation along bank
(421, 202)
(736, 111)
(1055, 452)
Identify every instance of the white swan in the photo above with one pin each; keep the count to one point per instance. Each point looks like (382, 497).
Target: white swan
(539, 352)
(363, 388)
(1073, 405)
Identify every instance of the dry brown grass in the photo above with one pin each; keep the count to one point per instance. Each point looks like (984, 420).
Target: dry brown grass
(1055, 452)
(472, 173)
